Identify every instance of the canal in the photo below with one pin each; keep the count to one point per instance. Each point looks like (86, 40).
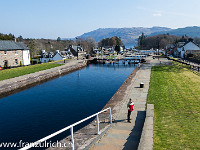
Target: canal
(43, 109)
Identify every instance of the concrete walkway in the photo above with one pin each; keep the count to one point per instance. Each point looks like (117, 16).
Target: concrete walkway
(124, 135)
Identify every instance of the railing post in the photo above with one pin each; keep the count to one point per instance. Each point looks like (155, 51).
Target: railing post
(97, 124)
(110, 116)
(72, 138)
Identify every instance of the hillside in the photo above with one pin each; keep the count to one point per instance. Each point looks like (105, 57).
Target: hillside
(127, 35)
(189, 31)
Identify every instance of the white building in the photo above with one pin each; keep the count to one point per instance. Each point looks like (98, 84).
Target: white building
(50, 56)
(185, 48)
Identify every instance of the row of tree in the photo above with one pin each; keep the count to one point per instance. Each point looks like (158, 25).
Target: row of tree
(110, 42)
(7, 36)
(162, 40)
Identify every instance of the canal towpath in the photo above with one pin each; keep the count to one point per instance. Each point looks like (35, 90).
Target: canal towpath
(124, 135)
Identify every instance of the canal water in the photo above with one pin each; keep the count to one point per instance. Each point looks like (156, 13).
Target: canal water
(46, 108)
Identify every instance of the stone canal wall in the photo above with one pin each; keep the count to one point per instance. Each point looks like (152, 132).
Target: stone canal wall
(16, 84)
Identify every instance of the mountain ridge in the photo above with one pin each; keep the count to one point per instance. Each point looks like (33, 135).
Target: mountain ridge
(127, 35)
(130, 35)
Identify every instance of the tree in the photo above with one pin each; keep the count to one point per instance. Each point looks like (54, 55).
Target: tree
(141, 40)
(118, 41)
(7, 36)
(58, 39)
(113, 41)
(32, 47)
(88, 44)
(157, 41)
(20, 38)
(117, 49)
(197, 40)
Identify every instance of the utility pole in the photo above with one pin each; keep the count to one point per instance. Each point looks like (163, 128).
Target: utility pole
(77, 52)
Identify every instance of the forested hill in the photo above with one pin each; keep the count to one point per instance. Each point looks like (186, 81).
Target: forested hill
(127, 35)
(189, 31)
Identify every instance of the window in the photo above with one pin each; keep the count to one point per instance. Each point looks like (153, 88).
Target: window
(5, 52)
(16, 61)
(16, 52)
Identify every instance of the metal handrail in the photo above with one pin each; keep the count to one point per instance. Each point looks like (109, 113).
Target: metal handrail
(71, 129)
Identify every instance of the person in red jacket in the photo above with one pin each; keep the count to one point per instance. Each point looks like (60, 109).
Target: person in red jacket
(130, 107)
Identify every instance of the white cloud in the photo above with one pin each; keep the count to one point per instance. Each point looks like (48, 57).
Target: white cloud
(157, 15)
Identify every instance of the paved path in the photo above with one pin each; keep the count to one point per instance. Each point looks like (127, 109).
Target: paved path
(124, 135)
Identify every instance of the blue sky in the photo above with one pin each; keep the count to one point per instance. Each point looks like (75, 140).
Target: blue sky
(70, 18)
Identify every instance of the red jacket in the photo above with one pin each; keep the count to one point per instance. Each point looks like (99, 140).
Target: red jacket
(130, 106)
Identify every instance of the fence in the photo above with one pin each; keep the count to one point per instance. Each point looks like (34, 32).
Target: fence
(71, 129)
(188, 63)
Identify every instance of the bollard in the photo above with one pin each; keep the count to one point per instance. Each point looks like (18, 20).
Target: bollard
(110, 116)
(97, 124)
(141, 85)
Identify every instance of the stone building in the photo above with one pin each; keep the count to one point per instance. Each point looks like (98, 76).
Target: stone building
(13, 54)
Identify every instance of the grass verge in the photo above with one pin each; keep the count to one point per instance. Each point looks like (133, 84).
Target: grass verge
(16, 72)
(110, 57)
(175, 93)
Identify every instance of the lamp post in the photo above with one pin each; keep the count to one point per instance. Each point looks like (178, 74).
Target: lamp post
(77, 52)
(158, 46)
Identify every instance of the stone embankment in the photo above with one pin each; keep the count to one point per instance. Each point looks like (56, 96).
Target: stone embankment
(16, 84)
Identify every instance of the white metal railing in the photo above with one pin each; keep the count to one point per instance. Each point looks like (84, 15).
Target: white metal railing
(71, 129)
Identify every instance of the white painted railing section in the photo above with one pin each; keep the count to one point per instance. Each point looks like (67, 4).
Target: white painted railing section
(71, 130)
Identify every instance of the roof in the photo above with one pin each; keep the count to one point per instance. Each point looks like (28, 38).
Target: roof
(11, 45)
(63, 54)
(185, 43)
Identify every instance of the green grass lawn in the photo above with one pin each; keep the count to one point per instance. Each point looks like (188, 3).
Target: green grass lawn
(15, 72)
(175, 93)
(110, 57)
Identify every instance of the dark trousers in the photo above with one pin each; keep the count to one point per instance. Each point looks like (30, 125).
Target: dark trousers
(129, 114)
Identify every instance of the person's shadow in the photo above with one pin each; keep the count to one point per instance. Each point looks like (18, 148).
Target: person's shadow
(134, 138)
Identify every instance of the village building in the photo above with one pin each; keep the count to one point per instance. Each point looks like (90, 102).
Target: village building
(51, 56)
(14, 54)
(76, 50)
(169, 49)
(97, 51)
(183, 49)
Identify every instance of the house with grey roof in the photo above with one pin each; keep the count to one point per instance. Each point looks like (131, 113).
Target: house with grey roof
(13, 54)
(185, 48)
(51, 56)
(76, 50)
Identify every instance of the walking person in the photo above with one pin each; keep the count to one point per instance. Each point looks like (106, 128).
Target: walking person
(130, 107)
